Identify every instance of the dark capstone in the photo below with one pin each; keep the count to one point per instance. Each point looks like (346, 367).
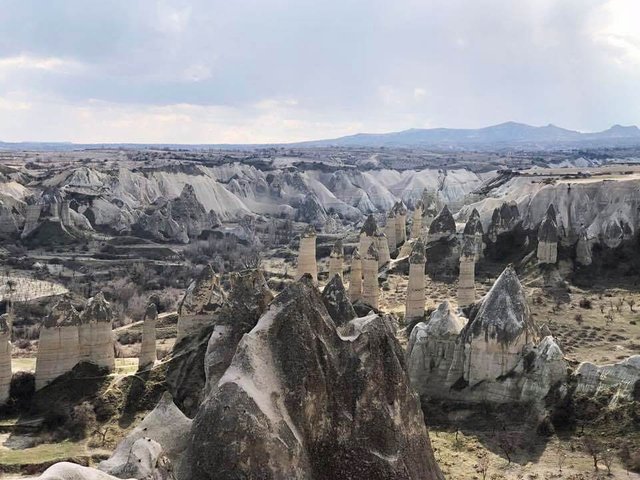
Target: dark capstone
(301, 402)
(443, 223)
(370, 226)
(336, 300)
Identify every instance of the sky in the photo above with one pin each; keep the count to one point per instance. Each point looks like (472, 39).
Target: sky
(263, 71)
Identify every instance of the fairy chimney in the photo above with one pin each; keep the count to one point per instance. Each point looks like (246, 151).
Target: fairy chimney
(367, 234)
(401, 222)
(548, 238)
(355, 281)
(148, 354)
(390, 230)
(415, 288)
(203, 297)
(474, 232)
(307, 254)
(336, 260)
(443, 226)
(5, 358)
(466, 281)
(95, 333)
(370, 290)
(384, 256)
(416, 225)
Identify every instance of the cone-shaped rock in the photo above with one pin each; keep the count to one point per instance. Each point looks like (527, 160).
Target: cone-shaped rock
(355, 280)
(370, 289)
(148, 353)
(336, 300)
(415, 287)
(442, 226)
(336, 259)
(278, 412)
(203, 297)
(548, 238)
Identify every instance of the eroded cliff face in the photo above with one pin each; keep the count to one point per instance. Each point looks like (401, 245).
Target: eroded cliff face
(297, 395)
(497, 356)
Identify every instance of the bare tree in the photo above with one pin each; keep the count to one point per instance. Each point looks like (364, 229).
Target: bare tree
(562, 456)
(631, 302)
(483, 465)
(508, 443)
(594, 448)
(607, 456)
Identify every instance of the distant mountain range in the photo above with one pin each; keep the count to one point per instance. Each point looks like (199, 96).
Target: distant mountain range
(504, 135)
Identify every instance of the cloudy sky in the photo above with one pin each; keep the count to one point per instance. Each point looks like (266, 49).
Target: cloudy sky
(240, 71)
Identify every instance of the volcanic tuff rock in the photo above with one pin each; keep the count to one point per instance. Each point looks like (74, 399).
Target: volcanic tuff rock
(201, 357)
(5, 358)
(496, 357)
(442, 226)
(337, 302)
(95, 333)
(148, 350)
(299, 401)
(622, 377)
(204, 296)
(165, 426)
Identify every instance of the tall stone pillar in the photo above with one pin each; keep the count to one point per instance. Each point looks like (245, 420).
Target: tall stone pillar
(370, 289)
(31, 218)
(336, 260)
(307, 255)
(415, 288)
(148, 355)
(466, 281)
(355, 281)
(474, 232)
(367, 232)
(548, 238)
(401, 223)
(65, 214)
(59, 344)
(384, 256)
(390, 230)
(416, 225)
(5, 358)
(95, 333)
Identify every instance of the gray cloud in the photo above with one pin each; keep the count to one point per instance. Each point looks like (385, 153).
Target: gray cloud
(277, 70)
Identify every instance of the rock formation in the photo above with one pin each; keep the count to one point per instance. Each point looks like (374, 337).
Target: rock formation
(59, 345)
(622, 378)
(496, 357)
(400, 210)
(95, 333)
(474, 232)
(548, 238)
(279, 409)
(337, 302)
(442, 247)
(336, 260)
(165, 426)
(384, 256)
(203, 297)
(390, 230)
(307, 255)
(148, 352)
(416, 225)
(467, 278)
(503, 220)
(415, 288)
(370, 289)
(355, 279)
(583, 249)
(367, 234)
(5, 358)
(432, 204)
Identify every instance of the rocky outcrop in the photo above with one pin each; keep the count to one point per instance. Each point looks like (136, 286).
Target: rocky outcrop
(622, 378)
(384, 256)
(367, 234)
(307, 263)
(370, 288)
(164, 431)
(179, 219)
(336, 260)
(415, 288)
(496, 357)
(287, 408)
(442, 226)
(311, 212)
(355, 279)
(59, 345)
(390, 230)
(547, 252)
(204, 296)
(504, 219)
(148, 351)
(95, 333)
(5, 358)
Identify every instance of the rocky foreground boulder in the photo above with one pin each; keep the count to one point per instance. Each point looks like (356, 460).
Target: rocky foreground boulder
(300, 401)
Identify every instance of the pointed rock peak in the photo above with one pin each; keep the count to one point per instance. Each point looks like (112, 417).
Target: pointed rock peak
(309, 232)
(249, 290)
(474, 225)
(4, 324)
(188, 191)
(417, 252)
(548, 230)
(336, 300)
(468, 248)
(443, 223)
(503, 313)
(391, 214)
(400, 208)
(372, 252)
(151, 313)
(445, 322)
(370, 226)
(509, 211)
(551, 212)
(97, 309)
(63, 314)
(203, 295)
(356, 254)
(338, 249)
(613, 230)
